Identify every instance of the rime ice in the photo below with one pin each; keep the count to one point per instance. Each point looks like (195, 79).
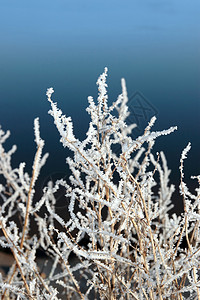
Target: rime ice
(134, 245)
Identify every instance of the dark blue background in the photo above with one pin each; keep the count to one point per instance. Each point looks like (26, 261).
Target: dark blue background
(153, 44)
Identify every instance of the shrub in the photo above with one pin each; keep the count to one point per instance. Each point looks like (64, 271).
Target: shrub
(133, 249)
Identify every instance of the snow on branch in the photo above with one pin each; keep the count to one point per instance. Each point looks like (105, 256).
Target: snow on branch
(113, 235)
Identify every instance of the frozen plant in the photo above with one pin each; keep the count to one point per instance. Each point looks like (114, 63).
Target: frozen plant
(133, 249)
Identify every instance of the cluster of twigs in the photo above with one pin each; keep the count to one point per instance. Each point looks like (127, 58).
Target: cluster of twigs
(133, 249)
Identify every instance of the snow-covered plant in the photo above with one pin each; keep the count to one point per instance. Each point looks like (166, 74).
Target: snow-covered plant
(134, 245)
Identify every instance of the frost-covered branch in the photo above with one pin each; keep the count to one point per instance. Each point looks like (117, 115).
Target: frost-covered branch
(119, 202)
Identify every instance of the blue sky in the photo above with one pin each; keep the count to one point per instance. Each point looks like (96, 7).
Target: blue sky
(65, 21)
(123, 35)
